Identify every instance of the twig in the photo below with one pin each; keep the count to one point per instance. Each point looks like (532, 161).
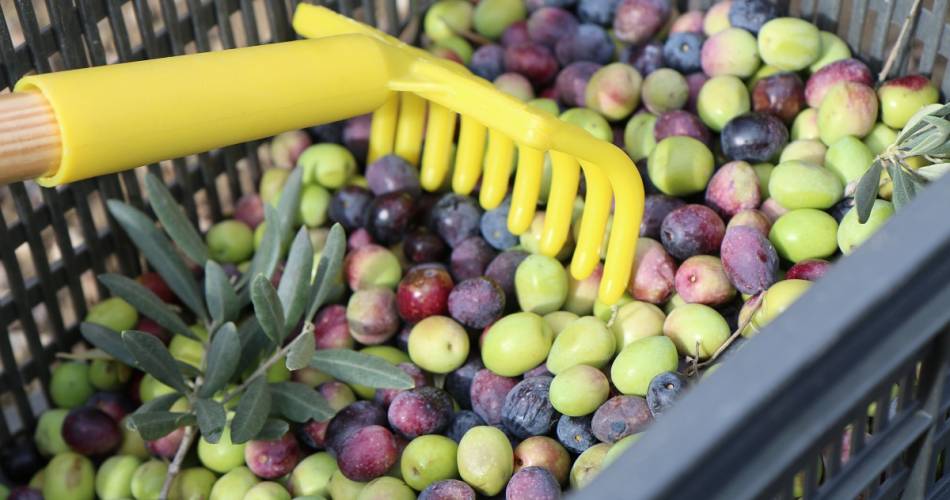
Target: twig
(694, 362)
(190, 433)
(175, 466)
(262, 369)
(899, 45)
(725, 345)
(89, 355)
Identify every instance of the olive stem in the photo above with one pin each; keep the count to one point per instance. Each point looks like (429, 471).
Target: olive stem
(899, 45)
(186, 441)
(725, 345)
(175, 466)
(262, 369)
(89, 355)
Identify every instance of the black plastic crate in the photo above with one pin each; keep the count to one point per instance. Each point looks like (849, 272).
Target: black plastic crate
(877, 321)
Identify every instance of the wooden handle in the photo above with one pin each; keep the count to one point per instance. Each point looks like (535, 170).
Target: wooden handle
(30, 144)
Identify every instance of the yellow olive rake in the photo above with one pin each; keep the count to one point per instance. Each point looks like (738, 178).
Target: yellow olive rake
(71, 125)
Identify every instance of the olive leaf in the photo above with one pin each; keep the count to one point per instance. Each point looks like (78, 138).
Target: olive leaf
(278, 224)
(939, 153)
(160, 403)
(301, 349)
(916, 125)
(108, 340)
(919, 180)
(160, 254)
(866, 191)
(153, 357)
(267, 308)
(211, 419)
(176, 225)
(219, 294)
(295, 282)
(939, 123)
(328, 268)
(267, 254)
(158, 424)
(904, 189)
(925, 142)
(146, 302)
(927, 135)
(355, 367)
(251, 412)
(289, 205)
(254, 342)
(224, 353)
(299, 403)
(188, 370)
(273, 429)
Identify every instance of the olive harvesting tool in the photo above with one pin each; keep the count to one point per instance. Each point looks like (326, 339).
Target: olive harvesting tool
(71, 125)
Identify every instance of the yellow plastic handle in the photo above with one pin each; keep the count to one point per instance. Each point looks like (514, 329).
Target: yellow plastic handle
(313, 21)
(451, 89)
(116, 117)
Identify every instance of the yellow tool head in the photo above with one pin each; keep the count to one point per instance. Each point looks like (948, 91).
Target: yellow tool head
(428, 96)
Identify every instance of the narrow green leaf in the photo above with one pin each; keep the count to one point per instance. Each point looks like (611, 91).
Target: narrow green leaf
(267, 308)
(930, 172)
(299, 403)
(912, 134)
(295, 282)
(251, 412)
(289, 205)
(108, 340)
(160, 253)
(188, 370)
(220, 295)
(904, 190)
(331, 261)
(938, 123)
(916, 124)
(253, 342)
(943, 111)
(924, 143)
(176, 225)
(912, 174)
(939, 154)
(158, 424)
(267, 254)
(90, 355)
(154, 358)
(160, 403)
(866, 191)
(273, 429)
(357, 368)
(146, 302)
(898, 192)
(301, 349)
(221, 363)
(211, 419)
